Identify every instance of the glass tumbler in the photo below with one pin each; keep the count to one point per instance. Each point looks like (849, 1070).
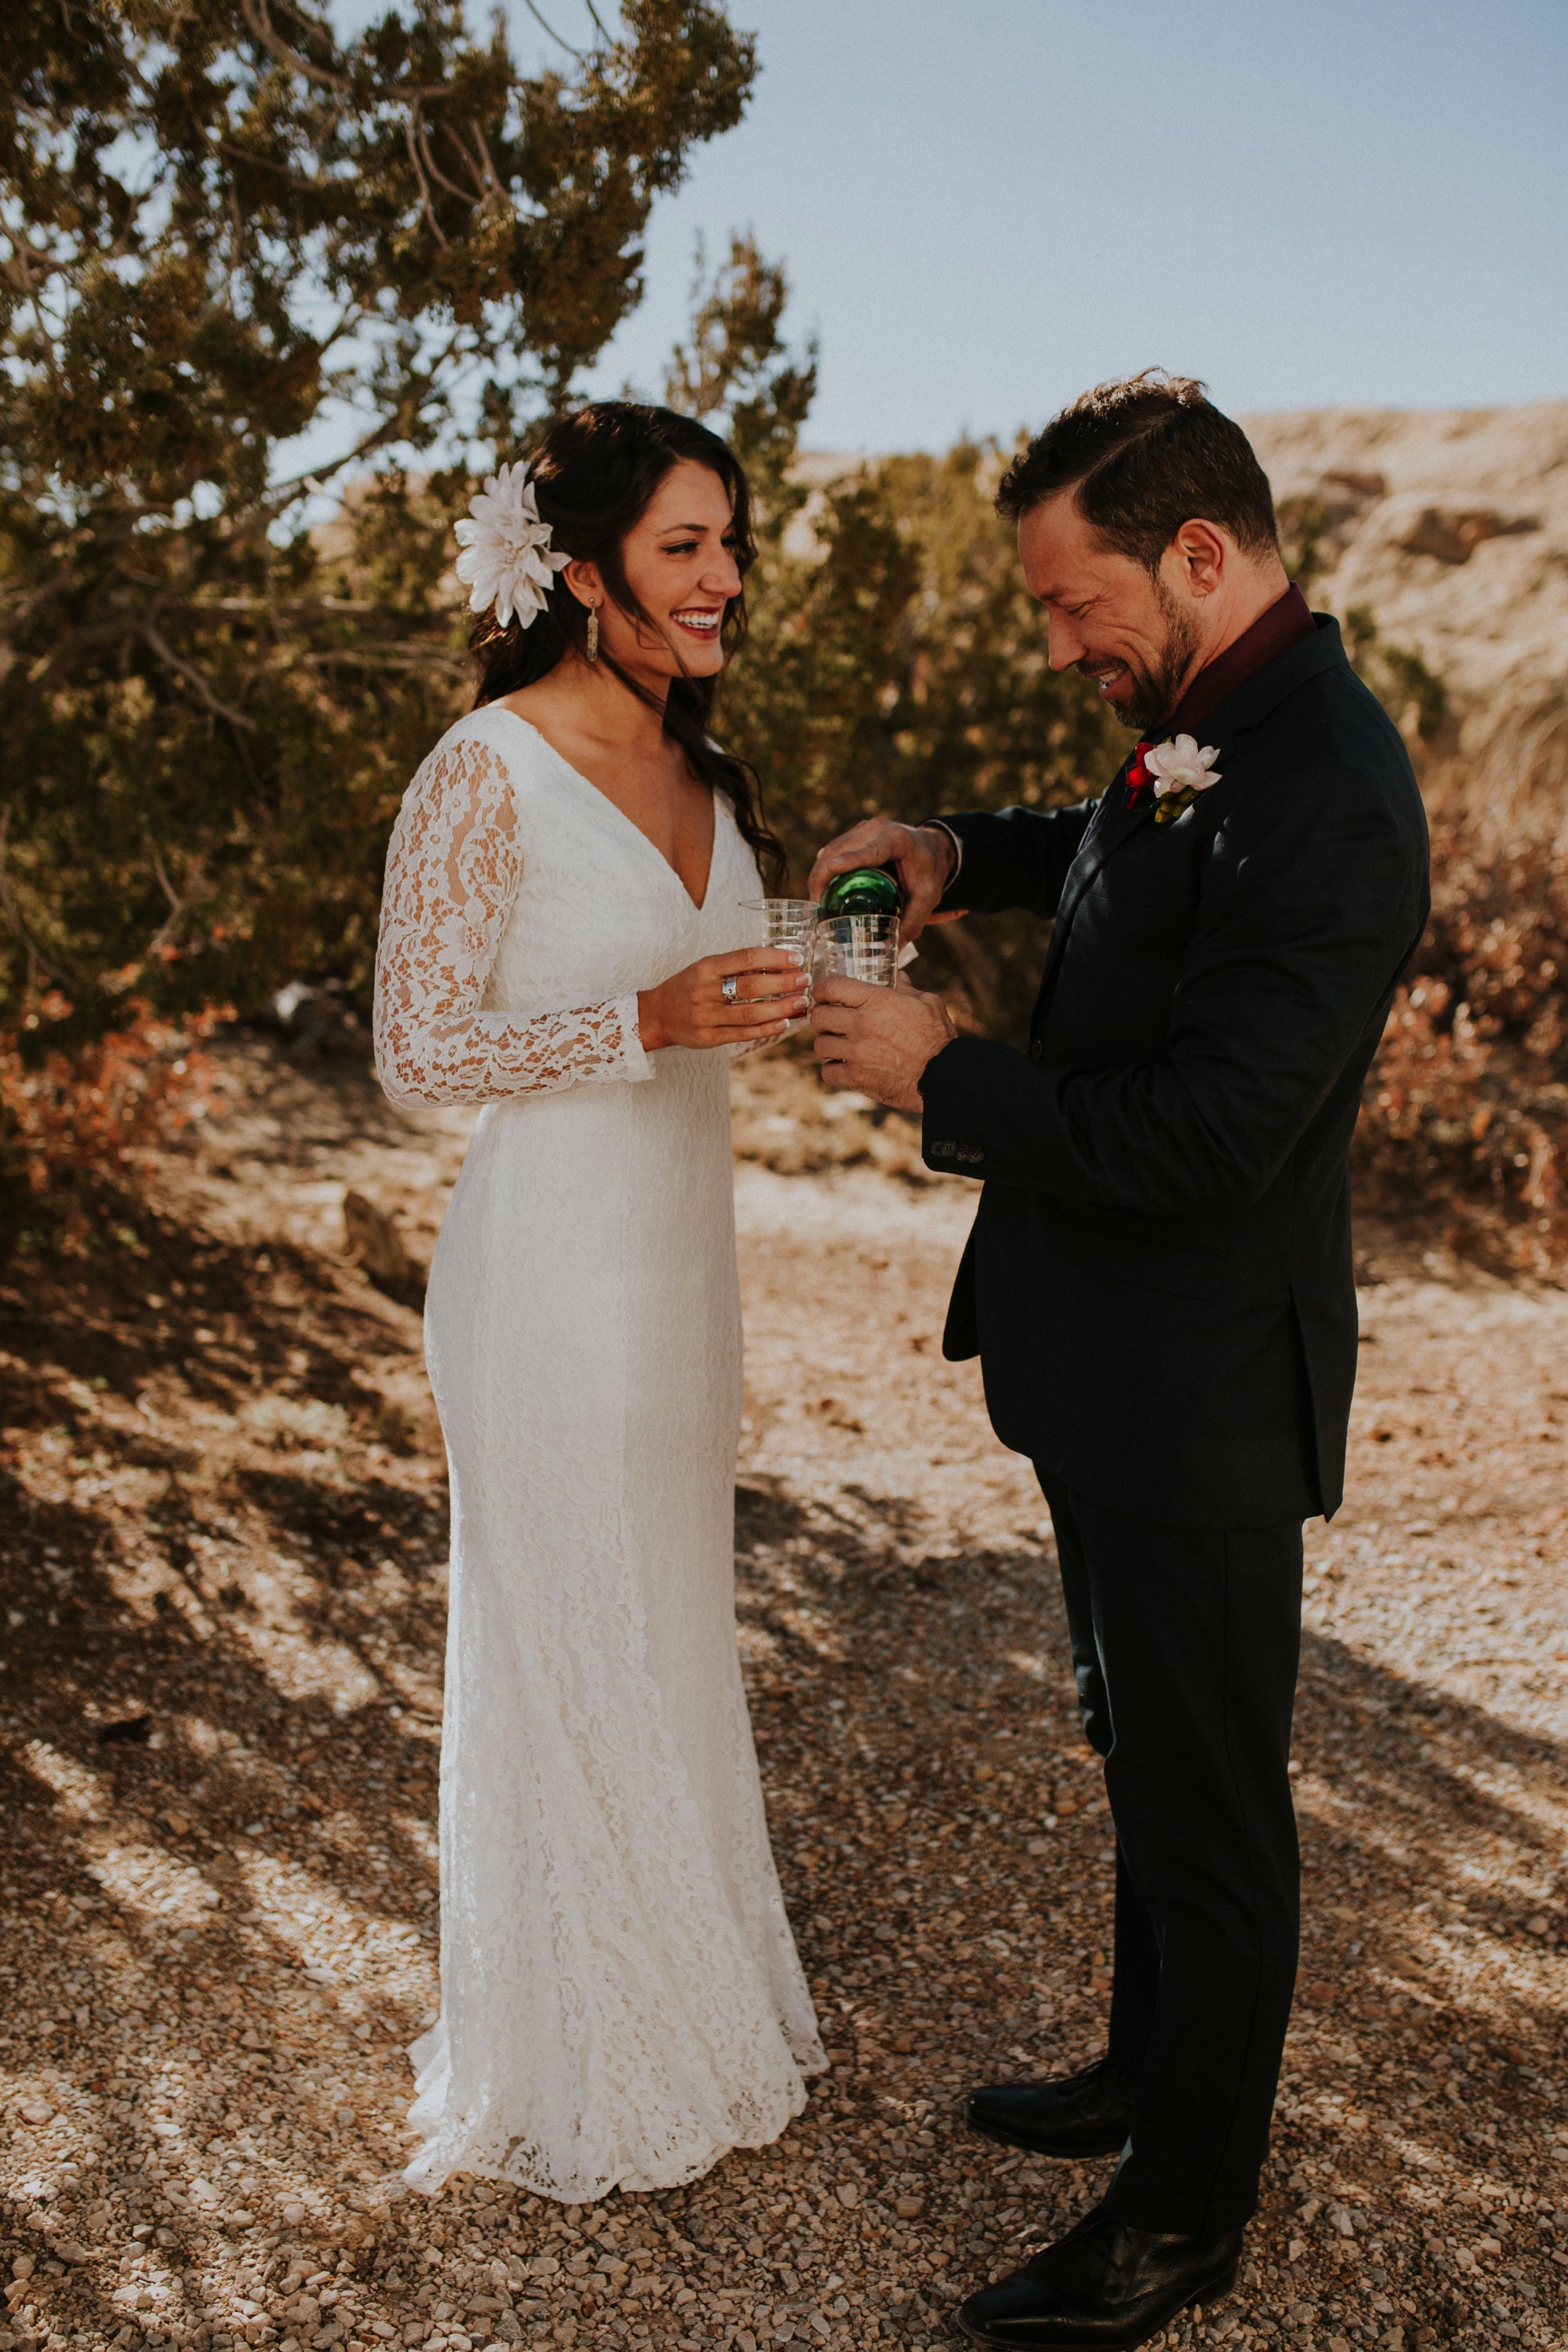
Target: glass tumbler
(859, 947)
(787, 923)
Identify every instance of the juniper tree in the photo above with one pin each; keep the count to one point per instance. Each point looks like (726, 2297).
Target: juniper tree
(223, 229)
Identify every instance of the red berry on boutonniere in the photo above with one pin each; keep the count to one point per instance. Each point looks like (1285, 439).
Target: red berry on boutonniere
(1138, 776)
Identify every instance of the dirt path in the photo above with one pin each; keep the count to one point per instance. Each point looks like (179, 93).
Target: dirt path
(222, 1570)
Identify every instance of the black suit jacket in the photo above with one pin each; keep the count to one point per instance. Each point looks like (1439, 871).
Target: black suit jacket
(1159, 1282)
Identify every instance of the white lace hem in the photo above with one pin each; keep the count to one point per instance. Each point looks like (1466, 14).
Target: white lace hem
(474, 2145)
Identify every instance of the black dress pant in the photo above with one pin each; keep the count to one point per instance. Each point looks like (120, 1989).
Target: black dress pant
(1185, 1646)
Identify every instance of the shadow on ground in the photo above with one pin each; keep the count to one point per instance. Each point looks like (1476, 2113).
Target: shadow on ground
(222, 1579)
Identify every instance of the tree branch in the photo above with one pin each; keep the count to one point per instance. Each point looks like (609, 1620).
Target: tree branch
(260, 23)
(367, 657)
(391, 429)
(491, 176)
(425, 205)
(464, 195)
(580, 55)
(22, 274)
(152, 637)
(13, 914)
(178, 901)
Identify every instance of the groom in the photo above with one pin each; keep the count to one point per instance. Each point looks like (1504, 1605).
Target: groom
(1159, 1283)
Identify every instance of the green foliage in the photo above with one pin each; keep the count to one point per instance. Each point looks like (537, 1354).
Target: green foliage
(1401, 680)
(226, 226)
(895, 660)
(1305, 525)
(1408, 690)
(738, 366)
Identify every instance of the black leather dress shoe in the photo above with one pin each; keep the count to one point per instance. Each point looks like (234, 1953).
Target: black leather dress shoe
(1103, 2288)
(1079, 2115)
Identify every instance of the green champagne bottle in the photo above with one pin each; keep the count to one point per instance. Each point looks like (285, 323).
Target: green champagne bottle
(868, 890)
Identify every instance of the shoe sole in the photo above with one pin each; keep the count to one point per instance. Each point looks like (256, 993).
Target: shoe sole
(1210, 2291)
(1042, 2147)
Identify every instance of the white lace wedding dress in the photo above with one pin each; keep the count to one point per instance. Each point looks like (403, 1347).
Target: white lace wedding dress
(621, 1998)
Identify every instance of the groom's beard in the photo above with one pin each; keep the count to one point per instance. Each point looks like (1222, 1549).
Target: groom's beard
(1156, 692)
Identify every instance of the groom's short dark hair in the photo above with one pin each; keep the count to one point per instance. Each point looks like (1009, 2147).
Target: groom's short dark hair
(1144, 456)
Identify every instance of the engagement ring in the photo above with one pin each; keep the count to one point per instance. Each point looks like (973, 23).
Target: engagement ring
(729, 987)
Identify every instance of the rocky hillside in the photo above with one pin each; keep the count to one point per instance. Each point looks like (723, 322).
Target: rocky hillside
(1451, 525)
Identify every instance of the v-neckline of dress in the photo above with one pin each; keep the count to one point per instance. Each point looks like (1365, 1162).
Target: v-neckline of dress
(698, 905)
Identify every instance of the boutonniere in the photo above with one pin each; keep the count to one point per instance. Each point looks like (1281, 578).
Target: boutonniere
(1179, 771)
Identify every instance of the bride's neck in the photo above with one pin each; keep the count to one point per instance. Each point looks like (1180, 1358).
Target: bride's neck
(605, 706)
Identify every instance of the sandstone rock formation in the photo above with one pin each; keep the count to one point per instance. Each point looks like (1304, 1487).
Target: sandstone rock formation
(1451, 525)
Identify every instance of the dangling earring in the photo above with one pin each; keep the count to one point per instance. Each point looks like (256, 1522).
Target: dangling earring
(593, 633)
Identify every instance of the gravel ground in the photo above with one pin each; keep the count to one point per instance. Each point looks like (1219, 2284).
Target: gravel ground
(222, 1550)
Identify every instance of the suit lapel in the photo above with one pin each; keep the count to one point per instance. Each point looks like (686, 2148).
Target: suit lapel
(1250, 703)
(1109, 829)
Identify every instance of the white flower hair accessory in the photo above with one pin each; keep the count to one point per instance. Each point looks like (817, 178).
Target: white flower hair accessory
(1179, 771)
(506, 560)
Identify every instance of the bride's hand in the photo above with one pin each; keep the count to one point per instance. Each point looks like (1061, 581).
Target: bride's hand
(922, 855)
(690, 1008)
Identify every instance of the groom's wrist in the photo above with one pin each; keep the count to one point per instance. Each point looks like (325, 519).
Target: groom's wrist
(952, 1038)
(951, 849)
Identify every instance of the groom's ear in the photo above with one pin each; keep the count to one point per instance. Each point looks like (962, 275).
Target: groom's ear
(1201, 554)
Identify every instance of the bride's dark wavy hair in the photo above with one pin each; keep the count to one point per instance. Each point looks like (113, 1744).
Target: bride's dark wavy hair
(594, 474)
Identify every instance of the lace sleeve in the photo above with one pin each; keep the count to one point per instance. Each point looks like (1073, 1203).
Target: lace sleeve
(452, 872)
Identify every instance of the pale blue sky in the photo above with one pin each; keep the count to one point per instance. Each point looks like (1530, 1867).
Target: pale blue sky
(986, 205)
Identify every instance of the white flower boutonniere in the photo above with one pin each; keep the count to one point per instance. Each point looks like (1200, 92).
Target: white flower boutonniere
(506, 560)
(1179, 773)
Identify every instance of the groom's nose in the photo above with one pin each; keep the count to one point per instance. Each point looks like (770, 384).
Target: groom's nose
(1064, 642)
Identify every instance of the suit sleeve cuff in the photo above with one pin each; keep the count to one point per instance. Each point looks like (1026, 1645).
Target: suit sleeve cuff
(948, 1144)
(940, 825)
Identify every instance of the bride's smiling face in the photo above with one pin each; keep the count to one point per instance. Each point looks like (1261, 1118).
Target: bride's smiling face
(1134, 635)
(679, 562)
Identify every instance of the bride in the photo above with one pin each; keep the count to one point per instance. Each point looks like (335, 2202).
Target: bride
(566, 883)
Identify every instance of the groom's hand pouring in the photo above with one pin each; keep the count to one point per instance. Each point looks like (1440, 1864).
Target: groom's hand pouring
(923, 856)
(876, 1040)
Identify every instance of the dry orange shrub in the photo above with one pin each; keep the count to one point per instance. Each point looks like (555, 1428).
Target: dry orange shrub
(1466, 1111)
(82, 1125)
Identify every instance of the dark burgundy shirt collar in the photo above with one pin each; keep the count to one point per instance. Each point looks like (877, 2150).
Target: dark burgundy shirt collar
(1285, 624)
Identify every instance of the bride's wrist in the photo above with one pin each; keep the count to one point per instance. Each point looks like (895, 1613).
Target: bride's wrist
(650, 1029)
